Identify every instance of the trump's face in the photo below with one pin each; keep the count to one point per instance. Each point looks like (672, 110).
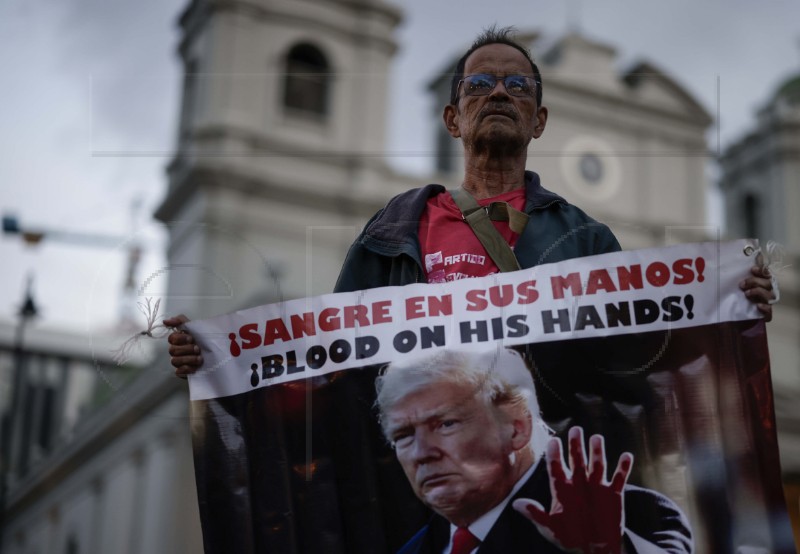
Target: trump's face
(454, 450)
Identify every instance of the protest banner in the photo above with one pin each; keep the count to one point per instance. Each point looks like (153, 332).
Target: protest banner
(656, 350)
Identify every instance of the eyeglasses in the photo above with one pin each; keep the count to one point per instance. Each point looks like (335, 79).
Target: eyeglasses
(482, 84)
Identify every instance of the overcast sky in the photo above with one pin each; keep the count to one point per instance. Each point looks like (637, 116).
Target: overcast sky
(90, 94)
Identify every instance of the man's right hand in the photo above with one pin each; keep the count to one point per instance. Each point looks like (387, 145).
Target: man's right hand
(185, 354)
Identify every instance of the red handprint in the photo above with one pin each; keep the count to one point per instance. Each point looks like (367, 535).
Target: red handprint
(587, 511)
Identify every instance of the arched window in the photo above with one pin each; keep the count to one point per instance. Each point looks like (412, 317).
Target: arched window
(308, 80)
(751, 216)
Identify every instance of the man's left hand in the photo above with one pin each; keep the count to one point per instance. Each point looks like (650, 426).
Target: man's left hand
(758, 289)
(587, 511)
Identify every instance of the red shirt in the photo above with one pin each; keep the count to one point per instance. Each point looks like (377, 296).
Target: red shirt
(450, 248)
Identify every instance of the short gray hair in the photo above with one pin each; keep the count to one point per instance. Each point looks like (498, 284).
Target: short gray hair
(499, 376)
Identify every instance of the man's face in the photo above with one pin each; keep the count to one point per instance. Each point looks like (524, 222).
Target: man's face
(497, 122)
(454, 450)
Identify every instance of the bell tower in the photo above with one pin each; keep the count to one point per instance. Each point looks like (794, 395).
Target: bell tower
(280, 145)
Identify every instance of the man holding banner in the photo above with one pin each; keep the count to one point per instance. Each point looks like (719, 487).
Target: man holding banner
(628, 389)
(467, 431)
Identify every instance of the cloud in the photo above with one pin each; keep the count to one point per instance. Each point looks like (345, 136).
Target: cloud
(119, 53)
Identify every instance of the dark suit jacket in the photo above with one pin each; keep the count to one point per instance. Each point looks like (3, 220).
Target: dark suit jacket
(653, 524)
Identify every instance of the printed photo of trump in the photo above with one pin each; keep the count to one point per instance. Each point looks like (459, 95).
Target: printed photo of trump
(467, 431)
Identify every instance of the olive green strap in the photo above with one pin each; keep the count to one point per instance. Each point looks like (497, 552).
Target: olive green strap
(480, 219)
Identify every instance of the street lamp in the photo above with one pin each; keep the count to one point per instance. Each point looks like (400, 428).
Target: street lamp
(11, 436)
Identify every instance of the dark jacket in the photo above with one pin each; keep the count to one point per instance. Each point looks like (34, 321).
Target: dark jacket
(387, 252)
(653, 524)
